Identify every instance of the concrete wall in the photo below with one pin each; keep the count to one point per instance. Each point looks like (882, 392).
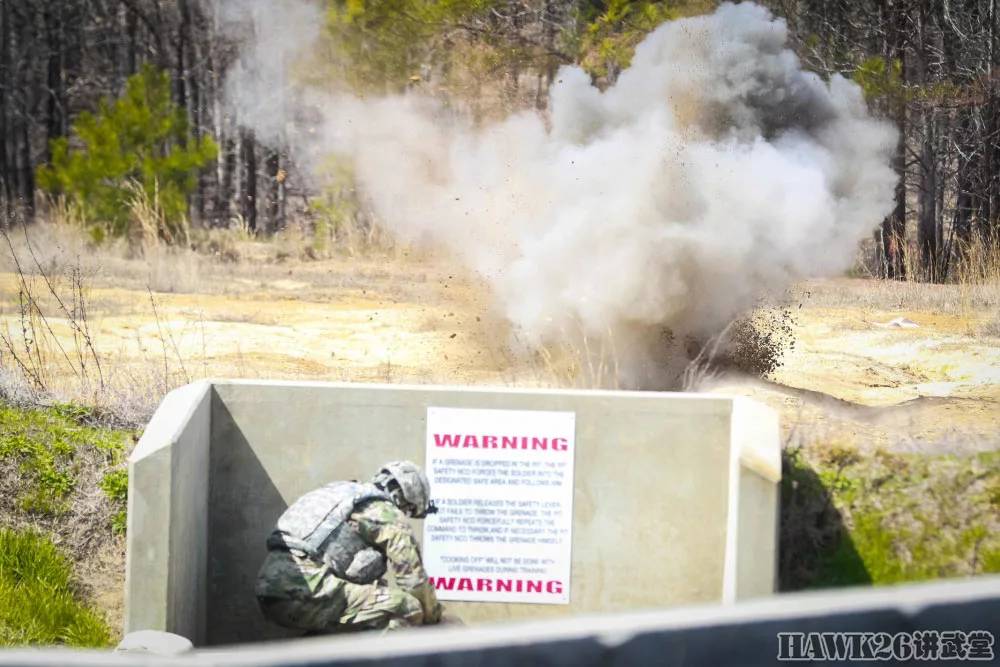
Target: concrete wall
(756, 440)
(675, 495)
(165, 572)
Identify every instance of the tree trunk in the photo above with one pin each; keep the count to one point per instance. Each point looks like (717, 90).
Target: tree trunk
(989, 222)
(181, 71)
(5, 81)
(132, 50)
(249, 203)
(893, 232)
(55, 106)
(962, 221)
(27, 195)
(275, 192)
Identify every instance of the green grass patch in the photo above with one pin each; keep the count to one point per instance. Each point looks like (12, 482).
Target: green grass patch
(883, 518)
(37, 603)
(115, 486)
(49, 446)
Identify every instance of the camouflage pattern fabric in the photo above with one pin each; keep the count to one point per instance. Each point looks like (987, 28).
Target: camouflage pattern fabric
(298, 592)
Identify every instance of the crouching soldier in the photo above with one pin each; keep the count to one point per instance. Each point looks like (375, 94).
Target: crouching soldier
(327, 557)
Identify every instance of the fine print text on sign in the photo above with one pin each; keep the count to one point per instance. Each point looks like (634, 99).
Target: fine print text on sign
(503, 483)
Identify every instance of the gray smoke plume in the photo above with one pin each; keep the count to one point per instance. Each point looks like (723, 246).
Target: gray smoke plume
(260, 90)
(714, 171)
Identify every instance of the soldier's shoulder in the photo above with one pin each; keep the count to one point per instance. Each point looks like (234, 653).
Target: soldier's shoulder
(380, 511)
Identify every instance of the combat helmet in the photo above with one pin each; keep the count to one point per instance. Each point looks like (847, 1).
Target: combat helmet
(408, 487)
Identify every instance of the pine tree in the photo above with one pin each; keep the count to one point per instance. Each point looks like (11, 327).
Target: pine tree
(137, 144)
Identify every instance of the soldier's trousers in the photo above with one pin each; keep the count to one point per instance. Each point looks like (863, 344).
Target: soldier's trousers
(298, 592)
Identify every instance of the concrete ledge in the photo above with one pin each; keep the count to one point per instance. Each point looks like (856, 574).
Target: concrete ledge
(743, 634)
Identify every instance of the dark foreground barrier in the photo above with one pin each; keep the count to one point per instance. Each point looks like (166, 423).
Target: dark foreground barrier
(945, 622)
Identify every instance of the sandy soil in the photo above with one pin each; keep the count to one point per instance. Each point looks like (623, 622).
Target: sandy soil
(850, 377)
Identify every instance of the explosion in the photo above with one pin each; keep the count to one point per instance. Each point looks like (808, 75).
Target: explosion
(715, 170)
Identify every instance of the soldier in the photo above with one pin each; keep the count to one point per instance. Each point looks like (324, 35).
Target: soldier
(326, 560)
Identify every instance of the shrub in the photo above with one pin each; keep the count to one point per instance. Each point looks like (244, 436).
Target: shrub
(134, 149)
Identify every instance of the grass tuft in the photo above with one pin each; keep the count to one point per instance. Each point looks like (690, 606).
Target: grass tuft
(38, 605)
(48, 447)
(115, 487)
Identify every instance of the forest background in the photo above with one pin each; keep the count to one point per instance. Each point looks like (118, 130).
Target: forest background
(92, 73)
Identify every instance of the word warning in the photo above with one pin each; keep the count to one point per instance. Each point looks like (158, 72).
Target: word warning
(503, 483)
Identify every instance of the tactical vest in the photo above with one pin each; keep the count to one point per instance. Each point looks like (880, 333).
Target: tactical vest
(317, 524)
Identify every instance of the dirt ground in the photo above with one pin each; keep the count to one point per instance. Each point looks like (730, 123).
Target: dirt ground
(852, 379)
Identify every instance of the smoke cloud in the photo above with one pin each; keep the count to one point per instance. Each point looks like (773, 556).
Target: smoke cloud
(260, 90)
(715, 170)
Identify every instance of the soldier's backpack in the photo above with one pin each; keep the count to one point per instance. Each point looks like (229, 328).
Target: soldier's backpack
(317, 524)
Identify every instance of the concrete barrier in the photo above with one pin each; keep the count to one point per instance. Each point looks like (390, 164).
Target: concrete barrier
(168, 540)
(675, 496)
(746, 634)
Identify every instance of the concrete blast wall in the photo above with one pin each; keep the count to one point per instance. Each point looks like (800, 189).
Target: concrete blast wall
(674, 497)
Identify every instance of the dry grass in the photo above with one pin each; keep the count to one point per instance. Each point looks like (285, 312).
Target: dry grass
(42, 367)
(31, 348)
(234, 262)
(979, 262)
(582, 362)
(55, 268)
(991, 328)
(972, 285)
(150, 226)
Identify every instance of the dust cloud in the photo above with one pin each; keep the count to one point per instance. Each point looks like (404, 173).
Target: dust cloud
(714, 171)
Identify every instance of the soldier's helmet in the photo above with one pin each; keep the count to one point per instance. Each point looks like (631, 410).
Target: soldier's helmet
(408, 487)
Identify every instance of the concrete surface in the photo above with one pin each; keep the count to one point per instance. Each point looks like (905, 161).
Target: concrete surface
(741, 635)
(675, 495)
(167, 556)
(156, 642)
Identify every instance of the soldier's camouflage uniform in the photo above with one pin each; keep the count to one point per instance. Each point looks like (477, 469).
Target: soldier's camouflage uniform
(297, 591)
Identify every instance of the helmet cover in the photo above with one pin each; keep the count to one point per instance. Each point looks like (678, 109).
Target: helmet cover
(413, 486)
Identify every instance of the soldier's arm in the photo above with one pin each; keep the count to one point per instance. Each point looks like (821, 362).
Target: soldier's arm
(385, 526)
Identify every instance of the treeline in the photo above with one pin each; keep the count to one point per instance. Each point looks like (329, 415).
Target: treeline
(62, 58)
(931, 66)
(928, 65)
(59, 58)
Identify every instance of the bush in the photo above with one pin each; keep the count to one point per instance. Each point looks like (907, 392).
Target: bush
(134, 155)
(38, 605)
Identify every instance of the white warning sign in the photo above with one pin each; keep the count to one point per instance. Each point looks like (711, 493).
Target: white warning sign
(503, 483)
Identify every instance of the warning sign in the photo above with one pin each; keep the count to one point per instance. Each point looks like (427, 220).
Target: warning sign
(503, 483)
